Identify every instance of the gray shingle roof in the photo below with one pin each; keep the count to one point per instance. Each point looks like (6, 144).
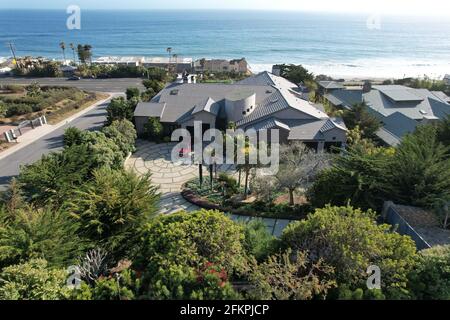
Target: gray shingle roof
(330, 85)
(345, 98)
(270, 123)
(423, 103)
(207, 105)
(149, 109)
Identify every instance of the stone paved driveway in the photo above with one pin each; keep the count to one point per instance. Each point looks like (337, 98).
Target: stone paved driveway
(169, 178)
(166, 175)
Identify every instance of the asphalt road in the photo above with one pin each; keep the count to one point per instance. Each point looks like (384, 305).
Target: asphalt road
(101, 85)
(9, 166)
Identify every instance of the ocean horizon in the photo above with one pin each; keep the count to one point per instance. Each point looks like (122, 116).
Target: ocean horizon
(334, 44)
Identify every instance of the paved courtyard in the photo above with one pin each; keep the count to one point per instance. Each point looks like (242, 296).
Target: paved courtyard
(169, 177)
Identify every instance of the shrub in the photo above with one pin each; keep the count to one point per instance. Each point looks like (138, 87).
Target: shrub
(18, 110)
(112, 209)
(153, 129)
(177, 247)
(258, 241)
(289, 276)
(33, 280)
(119, 109)
(132, 93)
(431, 278)
(123, 134)
(2, 109)
(28, 232)
(14, 88)
(349, 240)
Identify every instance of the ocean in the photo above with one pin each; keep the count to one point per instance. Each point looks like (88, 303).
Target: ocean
(333, 44)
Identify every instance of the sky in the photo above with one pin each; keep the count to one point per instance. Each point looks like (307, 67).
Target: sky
(396, 7)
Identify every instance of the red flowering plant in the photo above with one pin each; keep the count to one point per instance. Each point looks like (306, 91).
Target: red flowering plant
(212, 275)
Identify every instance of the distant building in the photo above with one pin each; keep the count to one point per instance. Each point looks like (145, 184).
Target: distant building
(6, 71)
(124, 61)
(220, 65)
(263, 101)
(400, 109)
(180, 64)
(447, 79)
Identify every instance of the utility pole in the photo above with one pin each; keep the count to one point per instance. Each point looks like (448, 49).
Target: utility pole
(13, 52)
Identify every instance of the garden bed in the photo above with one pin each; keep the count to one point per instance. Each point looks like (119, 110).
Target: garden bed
(213, 199)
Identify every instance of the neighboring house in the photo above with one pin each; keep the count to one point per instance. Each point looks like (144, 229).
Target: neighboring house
(344, 99)
(181, 64)
(328, 87)
(422, 225)
(400, 109)
(447, 79)
(221, 65)
(441, 95)
(123, 61)
(263, 101)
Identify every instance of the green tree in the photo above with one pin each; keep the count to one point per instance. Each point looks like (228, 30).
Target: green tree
(73, 136)
(46, 233)
(296, 74)
(359, 116)
(51, 179)
(154, 129)
(349, 240)
(419, 172)
(123, 134)
(356, 176)
(133, 93)
(33, 280)
(103, 150)
(119, 109)
(112, 209)
(443, 131)
(154, 85)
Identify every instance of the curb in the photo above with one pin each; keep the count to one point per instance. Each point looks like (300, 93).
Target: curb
(21, 145)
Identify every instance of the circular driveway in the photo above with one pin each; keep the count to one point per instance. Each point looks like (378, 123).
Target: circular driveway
(169, 178)
(165, 174)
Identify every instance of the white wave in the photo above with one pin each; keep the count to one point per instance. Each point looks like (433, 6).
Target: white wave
(373, 68)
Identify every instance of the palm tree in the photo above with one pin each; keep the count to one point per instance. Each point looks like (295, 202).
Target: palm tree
(169, 51)
(175, 56)
(88, 52)
(73, 51)
(62, 45)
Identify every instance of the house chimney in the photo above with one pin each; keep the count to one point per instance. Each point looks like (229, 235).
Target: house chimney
(367, 87)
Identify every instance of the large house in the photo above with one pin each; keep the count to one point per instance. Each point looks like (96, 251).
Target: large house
(263, 101)
(400, 109)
